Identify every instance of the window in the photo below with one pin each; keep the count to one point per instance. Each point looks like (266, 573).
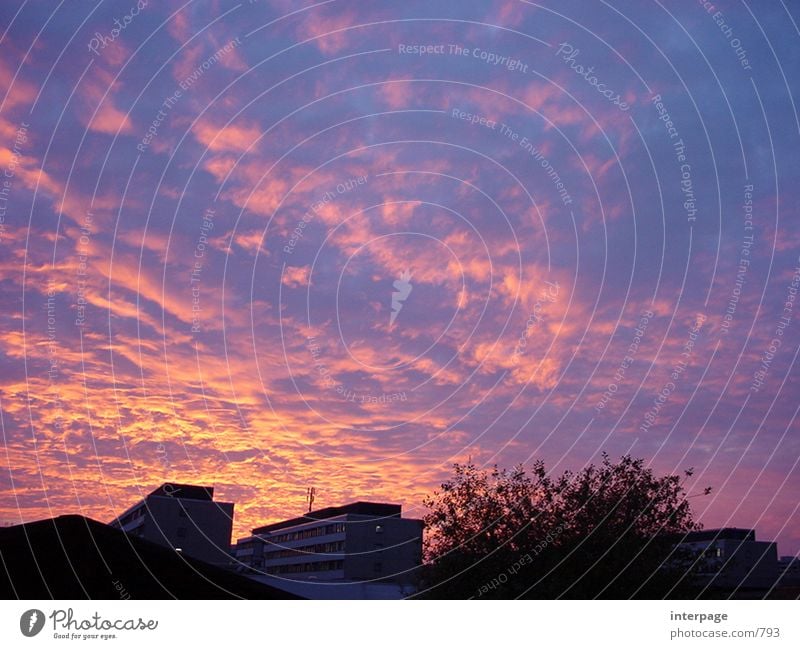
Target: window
(377, 567)
(181, 532)
(317, 566)
(317, 548)
(182, 512)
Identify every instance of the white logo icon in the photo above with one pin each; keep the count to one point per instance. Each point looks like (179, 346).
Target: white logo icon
(31, 622)
(403, 286)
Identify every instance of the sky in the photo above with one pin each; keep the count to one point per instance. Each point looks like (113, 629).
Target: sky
(272, 245)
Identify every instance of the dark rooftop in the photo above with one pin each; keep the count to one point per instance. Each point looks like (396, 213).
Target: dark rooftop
(379, 510)
(725, 533)
(72, 557)
(190, 491)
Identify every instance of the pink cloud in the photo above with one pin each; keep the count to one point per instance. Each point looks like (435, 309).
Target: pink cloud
(296, 276)
(232, 137)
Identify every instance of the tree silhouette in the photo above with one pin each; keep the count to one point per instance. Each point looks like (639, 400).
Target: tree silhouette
(607, 531)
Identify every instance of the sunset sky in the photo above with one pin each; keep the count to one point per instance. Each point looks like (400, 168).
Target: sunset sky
(204, 215)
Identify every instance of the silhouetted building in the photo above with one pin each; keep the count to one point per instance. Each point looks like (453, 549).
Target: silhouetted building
(361, 541)
(789, 571)
(731, 558)
(184, 517)
(72, 557)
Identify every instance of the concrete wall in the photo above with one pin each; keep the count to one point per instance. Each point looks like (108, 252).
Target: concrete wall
(384, 548)
(742, 564)
(201, 528)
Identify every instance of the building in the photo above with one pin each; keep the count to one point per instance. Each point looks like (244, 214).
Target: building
(359, 542)
(789, 571)
(732, 559)
(72, 557)
(184, 517)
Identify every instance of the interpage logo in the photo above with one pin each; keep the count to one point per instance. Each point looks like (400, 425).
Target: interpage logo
(31, 622)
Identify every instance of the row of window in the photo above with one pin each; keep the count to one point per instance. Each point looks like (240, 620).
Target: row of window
(316, 566)
(138, 513)
(132, 516)
(335, 528)
(318, 548)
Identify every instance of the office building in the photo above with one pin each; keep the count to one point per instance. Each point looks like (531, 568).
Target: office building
(731, 558)
(789, 571)
(358, 542)
(184, 517)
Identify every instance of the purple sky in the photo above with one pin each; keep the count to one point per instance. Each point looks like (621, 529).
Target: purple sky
(206, 213)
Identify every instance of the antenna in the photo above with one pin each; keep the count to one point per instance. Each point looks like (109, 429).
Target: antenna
(312, 492)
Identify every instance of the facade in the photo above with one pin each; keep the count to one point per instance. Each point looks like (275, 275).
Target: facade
(183, 517)
(789, 571)
(733, 559)
(358, 542)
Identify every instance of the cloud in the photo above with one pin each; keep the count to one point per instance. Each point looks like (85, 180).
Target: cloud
(238, 137)
(329, 28)
(96, 98)
(296, 276)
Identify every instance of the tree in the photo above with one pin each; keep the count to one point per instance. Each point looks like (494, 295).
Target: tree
(607, 531)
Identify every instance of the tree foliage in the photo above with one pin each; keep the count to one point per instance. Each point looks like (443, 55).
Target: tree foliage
(607, 531)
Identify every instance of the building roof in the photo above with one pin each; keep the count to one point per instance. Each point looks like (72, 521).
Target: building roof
(174, 490)
(723, 534)
(379, 510)
(189, 491)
